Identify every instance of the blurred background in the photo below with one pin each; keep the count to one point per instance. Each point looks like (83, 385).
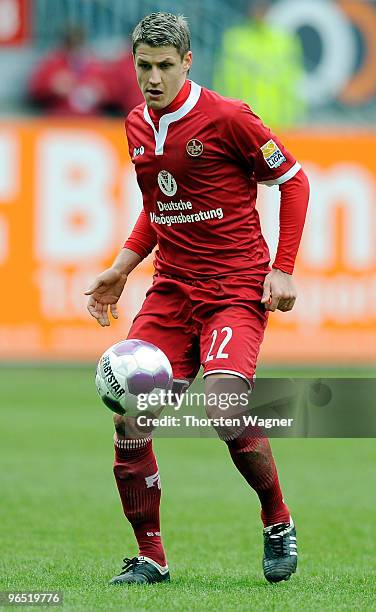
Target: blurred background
(68, 196)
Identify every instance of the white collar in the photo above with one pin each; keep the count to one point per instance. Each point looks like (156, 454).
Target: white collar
(161, 134)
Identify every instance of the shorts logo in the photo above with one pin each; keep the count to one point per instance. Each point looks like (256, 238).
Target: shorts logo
(272, 154)
(167, 183)
(194, 147)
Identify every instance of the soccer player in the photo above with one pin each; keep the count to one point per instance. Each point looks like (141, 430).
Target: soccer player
(198, 158)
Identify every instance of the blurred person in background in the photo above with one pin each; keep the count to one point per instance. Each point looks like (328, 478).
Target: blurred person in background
(263, 66)
(71, 80)
(126, 93)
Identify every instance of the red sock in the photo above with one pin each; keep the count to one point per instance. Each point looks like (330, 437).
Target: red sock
(138, 482)
(254, 460)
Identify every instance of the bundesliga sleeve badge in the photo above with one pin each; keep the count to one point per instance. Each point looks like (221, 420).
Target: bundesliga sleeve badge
(194, 147)
(272, 154)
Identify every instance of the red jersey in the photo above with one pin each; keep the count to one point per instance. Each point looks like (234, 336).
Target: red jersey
(198, 173)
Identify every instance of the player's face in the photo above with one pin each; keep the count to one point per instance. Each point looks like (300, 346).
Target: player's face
(161, 73)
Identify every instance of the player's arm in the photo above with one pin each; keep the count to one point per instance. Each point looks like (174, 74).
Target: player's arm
(107, 288)
(279, 289)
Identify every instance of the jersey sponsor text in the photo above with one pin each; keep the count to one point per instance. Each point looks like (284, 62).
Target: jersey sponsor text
(200, 215)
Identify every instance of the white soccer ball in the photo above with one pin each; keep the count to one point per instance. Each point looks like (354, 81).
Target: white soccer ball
(128, 369)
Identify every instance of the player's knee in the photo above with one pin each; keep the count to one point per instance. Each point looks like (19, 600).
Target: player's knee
(226, 396)
(227, 426)
(119, 423)
(226, 404)
(128, 428)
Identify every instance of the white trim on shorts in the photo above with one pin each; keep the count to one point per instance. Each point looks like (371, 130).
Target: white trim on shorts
(233, 372)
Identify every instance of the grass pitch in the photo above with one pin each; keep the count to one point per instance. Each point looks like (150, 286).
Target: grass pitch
(62, 528)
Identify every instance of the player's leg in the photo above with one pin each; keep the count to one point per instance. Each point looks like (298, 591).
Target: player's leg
(230, 343)
(137, 479)
(135, 467)
(249, 447)
(251, 454)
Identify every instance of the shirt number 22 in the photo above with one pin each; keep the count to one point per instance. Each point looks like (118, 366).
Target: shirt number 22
(227, 335)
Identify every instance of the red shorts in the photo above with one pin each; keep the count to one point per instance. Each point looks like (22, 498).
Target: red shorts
(216, 323)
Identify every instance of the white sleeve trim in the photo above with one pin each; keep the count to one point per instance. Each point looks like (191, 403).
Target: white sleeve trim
(285, 177)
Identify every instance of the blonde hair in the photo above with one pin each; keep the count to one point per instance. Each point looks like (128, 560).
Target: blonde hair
(163, 30)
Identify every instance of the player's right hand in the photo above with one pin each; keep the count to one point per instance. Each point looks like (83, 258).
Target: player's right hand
(104, 294)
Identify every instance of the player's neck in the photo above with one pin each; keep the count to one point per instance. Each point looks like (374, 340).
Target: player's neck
(176, 103)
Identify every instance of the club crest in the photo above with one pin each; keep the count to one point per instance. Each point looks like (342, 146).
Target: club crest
(194, 147)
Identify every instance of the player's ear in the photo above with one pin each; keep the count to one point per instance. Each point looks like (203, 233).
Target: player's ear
(187, 61)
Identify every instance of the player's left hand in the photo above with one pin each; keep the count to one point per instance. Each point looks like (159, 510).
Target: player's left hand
(279, 291)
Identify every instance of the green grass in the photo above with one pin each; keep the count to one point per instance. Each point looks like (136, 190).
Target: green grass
(61, 525)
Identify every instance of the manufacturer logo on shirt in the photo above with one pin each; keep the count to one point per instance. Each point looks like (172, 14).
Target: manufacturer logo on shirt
(138, 151)
(272, 154)
(167, 183)
(194, 147)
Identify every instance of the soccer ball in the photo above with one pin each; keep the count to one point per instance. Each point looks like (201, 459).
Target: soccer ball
(130, 368)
